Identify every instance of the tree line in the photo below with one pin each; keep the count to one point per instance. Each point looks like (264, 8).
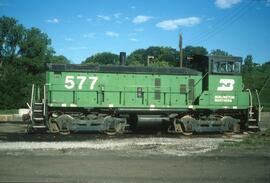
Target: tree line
(24, 53)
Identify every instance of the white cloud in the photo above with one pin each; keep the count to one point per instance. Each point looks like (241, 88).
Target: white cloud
(79, 16)
(111, 34)
(267, 3)
(89, 35)
(53, 21)
(89, 19)
(141, 19)
(133, 7)
(181, 22)
(68, 39)
(224, 4)
(133, 39)
(103, 17)
(139, 30)
(117, 15)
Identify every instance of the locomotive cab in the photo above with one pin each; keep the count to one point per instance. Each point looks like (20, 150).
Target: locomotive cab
(223, 91)
(222, 84)
(214, 66)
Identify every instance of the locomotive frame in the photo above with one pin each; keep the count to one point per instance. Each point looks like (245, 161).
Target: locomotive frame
(205, 96)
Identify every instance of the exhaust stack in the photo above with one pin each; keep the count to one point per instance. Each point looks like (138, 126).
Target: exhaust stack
(122, 58)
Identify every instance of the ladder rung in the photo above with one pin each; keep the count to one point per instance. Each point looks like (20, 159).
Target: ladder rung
(38, 119)
(38, 103)
(39, 126)
(252, 119)
(37, 110)
(253, 127)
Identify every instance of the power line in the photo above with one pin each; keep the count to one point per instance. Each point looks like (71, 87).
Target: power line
(224, 23)
(219, 23)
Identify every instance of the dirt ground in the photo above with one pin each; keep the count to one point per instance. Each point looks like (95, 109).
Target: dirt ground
(109, 166)
(132, 158)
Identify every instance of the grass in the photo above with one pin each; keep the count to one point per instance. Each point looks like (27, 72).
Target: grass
(259, 139)
(9, 111)
(266, 108)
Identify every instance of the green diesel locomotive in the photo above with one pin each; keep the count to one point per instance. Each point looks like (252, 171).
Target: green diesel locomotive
(205, 96)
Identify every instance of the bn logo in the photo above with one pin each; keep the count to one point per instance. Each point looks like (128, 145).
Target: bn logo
(225, 85)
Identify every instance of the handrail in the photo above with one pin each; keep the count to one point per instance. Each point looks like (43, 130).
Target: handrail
(259, 105)
(200, 79)
(193, 88)
(32, 95)
(44, 100)
(251, 103)
(32, 101)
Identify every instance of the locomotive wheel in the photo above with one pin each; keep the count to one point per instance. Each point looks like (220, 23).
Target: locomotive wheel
(231, 124)
(115, 130)
(187, 133)
(63, 123)
(110, 132)
(64, 132)
(64, 129)
(175, 127)
(53, 127)
(113, 126)
(187, 122)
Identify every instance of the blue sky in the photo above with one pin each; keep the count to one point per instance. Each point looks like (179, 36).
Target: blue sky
(81, 28)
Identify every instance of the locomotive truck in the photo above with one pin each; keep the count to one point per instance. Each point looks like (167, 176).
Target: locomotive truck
(205, 96)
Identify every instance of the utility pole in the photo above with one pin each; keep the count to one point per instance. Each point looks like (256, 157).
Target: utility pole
(181, 50)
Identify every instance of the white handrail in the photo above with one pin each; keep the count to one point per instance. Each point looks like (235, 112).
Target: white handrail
(44, 100)
(32, 101)
(32, 95)
(251, 103)
(259, 105)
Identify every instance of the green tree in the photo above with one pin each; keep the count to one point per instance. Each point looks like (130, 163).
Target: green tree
(104, 58)
(59, 59)
(157, 63)
(248, 64)
(248, 61)
(15, 87)
(165, 54)
(267, 63)
(11, 35)
(160, 54)
(190, 51)
(137, 58)
(219, 52)
(35, 51)
(23, 54)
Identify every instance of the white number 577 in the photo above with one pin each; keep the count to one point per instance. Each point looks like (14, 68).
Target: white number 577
(69, 82)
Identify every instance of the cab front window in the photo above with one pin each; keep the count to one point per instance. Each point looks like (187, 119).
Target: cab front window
(226, 67)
